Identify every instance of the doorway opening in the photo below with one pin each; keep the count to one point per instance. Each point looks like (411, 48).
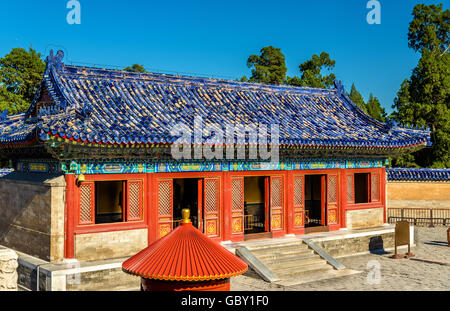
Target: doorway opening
(185, 195)
(256, 211)
(315, 216)
(109, 202)
(362, 188)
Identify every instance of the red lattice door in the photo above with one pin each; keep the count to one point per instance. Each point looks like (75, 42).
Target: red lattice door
(164, 190)
(237, 205)
(375, 187)
(276, 203)
(211, 206)
(332, 199)
(134, 200)
(299, 201)
(350, 188)
(87, 203)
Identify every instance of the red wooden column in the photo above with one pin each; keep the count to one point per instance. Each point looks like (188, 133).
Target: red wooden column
(69, 216)
(346, 195)
(382, 190)
(323, 199)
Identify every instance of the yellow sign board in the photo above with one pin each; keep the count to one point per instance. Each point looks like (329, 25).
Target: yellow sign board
(402, 233)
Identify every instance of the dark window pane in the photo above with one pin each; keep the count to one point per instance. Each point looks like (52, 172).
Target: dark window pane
(362, 188)
(108, 202)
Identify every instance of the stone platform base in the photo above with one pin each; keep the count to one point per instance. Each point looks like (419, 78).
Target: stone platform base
(107, 275)
(100, 275)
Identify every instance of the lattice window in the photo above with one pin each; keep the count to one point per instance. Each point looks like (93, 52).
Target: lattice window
(134, 200)
(164, 193)
(211, 196)
(276, 192)
(332, 187)
(375, 188)
(298, 191)
(237, 195)
(350, 189)
(87, 203)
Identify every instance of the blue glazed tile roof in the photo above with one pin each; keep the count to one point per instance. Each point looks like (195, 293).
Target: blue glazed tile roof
(419, 174)
(15, 129)
(102, 106)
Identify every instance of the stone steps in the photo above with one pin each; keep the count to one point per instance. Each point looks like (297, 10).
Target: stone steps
(295, 262)
(279, 246)
(291, 258)
(298, 261)
(276, 255)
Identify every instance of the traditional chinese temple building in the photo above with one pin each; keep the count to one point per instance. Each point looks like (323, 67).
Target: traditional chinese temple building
(94, 176)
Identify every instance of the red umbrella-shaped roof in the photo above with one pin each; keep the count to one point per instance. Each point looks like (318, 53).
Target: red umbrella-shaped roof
(185, 254)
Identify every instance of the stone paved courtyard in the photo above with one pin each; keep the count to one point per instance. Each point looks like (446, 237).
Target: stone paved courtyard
(395, 275)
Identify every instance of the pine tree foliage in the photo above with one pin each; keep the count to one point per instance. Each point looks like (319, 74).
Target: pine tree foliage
(20, 77)
(269, 67)
(424, 98)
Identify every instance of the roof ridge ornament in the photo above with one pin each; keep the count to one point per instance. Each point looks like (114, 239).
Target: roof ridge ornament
(55, 60)
(339, 87)
(85, 110)
(390, 124)
(4, 115)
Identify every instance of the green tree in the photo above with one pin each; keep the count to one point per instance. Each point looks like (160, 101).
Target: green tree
(311, 72)
(269, 67)
(243, 79)
(20, 77)
(424, 98)
(375, 110)
(357, 98)
(429, 28)
(136, 68)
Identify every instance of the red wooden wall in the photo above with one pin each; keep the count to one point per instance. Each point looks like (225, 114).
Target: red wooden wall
(223, 199)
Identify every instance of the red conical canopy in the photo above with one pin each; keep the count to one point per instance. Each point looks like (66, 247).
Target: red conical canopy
(185, 254)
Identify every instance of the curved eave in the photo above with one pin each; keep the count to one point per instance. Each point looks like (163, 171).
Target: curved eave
(335, 145)
(193, 278)
(19, 143)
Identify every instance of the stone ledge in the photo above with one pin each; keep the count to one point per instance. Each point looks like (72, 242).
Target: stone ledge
(75, 275)
(353, 234)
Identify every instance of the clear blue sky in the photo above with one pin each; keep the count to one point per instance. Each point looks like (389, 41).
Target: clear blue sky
(215, 38)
